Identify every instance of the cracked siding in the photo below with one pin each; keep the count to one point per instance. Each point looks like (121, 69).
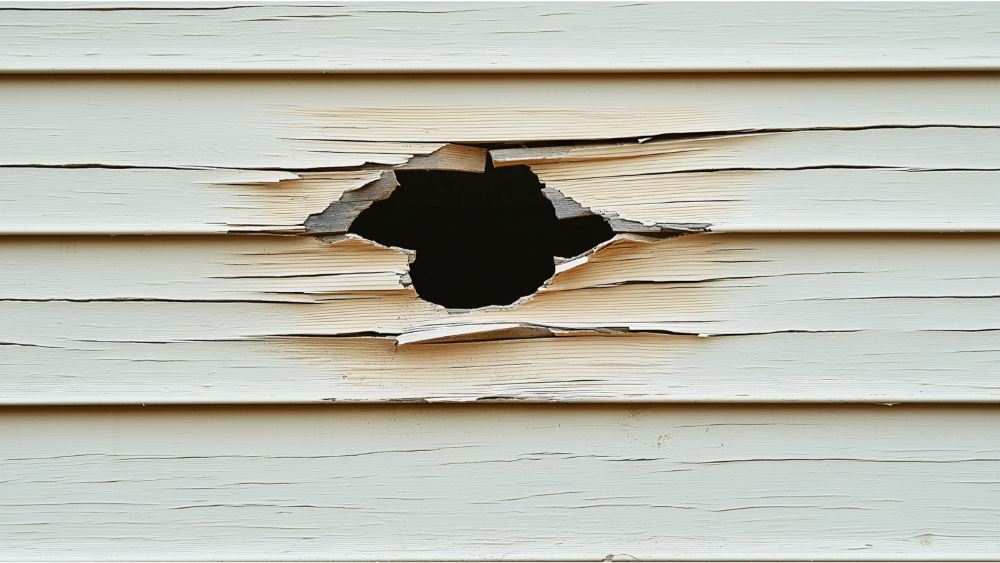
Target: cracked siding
(792, 367)
(709, 283)
(483, 481)
(820, 180)
(824, 180)
(289, 302)
(866, 310)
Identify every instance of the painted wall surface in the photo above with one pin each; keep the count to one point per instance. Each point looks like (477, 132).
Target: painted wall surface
(789, 348)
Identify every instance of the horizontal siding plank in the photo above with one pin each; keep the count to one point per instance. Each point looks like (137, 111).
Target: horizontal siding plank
(824, 180)
(818, 200)
(931, 179)
(504, 482)
(123, 201)
(149, 201)
(168, 319)
(718, 310)
(699, 284)
(68, 201)
(438, 36)
(890, 147)
(303, 122)
(865, 366)
(258, 268)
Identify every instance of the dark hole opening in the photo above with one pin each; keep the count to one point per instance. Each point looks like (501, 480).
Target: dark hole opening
(481, 239)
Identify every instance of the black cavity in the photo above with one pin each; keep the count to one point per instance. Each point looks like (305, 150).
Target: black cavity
(481, 239)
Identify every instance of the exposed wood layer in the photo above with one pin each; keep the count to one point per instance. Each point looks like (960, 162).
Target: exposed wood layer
(438, 36)
(581, 483)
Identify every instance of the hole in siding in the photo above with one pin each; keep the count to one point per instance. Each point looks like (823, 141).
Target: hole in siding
(481, 239)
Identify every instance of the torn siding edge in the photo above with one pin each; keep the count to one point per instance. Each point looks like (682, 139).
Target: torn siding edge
(568, 208)
(339, 215)
(275, 201)
(436, 333)
(298, 202)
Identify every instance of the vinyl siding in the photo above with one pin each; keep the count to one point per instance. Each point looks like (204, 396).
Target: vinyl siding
(788, 350)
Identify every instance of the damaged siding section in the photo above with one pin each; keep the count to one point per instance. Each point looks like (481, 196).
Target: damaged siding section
(314, 310)
(698, 274)
(817, 180)
(202, 359)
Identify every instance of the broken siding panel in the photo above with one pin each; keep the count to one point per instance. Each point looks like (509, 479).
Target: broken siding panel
(855, 180)
(434, 37)
(823, 180)
(324, 122)
(63, 201)
(118, 201)
(248, 319)
(695, 284)
(252, 268)
(528, 483)
(818, 200)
